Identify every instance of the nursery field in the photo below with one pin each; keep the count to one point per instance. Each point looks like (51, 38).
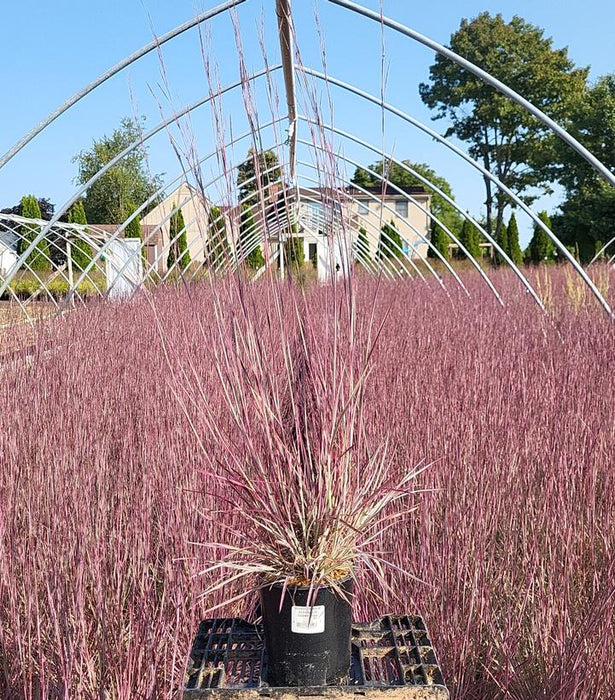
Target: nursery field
(110, 503)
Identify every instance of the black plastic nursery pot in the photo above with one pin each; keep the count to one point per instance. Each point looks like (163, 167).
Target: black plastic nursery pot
(307, 645)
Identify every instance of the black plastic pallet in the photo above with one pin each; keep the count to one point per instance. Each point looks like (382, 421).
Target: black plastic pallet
(394, 652)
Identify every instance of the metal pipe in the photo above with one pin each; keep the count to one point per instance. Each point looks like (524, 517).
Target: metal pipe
(124, 153)
(163, 188)
(431, 185)
(434, 134)
(155, 44)
(602, 250)
(285, 30)
(486, 78)
(419, 206)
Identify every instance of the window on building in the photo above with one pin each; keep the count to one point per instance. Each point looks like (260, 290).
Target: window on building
(363, 206)
(401, 207)
(315, 212)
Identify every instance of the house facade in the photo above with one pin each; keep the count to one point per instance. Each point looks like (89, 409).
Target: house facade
(349, 211)
(327, 223)
(408, 211)
(156, 224)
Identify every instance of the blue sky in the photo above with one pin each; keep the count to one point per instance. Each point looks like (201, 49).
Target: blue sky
(53, 49)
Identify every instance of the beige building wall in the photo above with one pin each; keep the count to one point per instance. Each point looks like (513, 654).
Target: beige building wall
(371, 211)
(195, 211)
(411, 221)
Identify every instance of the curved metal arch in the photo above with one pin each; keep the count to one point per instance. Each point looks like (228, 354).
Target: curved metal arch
(393, 245)
(33, 225)
(486, 78)
(129, 149)
(603, 250)
(166, 185)
(519, 202)
(61, 231)
(417, 204)
(220, 266)
(257, 236)
(380, 264)
(13, 271)
(152, 267)
(214, 221)
(117, 68)
(431, 185)
(377, 266)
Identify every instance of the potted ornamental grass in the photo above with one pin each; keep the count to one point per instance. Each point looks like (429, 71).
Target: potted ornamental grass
(302, 489)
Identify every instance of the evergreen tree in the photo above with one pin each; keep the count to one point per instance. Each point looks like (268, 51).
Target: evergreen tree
(294, 255)
(390, 244)
(541, 247)
(81, 252)
(260, 168)
(133, 230)
(254, 259)
(501, 238)
(363, 253)
(514, 249)
(178, 244)
(440, 241)
(470, 239)
(38, 259)
(217, 244)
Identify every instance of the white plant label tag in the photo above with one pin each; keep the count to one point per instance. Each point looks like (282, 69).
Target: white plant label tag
(305, 619)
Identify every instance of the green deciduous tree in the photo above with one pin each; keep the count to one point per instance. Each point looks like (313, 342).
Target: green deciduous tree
(508, 141)
(588, 212)
(514, 249)
(399, 177)
(541, 248)
(586, 217)
(128, 182)
(38, 259)
(178, 241)
(81, 251)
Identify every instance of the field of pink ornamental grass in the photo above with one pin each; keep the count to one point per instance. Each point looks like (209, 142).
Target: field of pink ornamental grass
(104, 497)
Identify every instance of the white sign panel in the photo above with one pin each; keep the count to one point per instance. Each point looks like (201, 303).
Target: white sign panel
(307, 619)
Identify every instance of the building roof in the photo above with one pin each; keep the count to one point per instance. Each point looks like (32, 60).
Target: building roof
(389, 190)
